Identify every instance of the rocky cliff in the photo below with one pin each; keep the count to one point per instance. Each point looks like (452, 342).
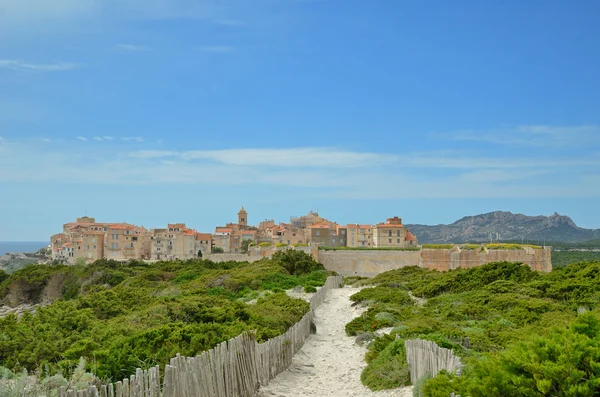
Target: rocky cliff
(507, 226)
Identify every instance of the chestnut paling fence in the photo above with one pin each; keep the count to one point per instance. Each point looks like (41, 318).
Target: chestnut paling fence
(233, 368)
(426, 357)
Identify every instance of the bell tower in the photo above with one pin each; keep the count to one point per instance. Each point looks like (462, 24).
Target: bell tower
(243, 218)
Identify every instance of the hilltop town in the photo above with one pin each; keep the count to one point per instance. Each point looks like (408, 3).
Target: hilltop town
(86, 240)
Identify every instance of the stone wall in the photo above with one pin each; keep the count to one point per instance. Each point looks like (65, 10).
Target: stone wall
(232, 257)
(369, 263)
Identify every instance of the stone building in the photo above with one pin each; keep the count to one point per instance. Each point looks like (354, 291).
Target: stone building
(392, 233)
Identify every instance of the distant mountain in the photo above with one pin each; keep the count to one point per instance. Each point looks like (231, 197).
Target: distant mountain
(507, 226)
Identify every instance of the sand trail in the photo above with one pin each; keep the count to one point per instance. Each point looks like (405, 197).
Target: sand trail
(330, 362)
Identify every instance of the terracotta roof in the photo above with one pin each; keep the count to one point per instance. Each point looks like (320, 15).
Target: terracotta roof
(320, 225)
(366, 226)
(176, 226)
(409, 236)
(223, 230)
(203, 236)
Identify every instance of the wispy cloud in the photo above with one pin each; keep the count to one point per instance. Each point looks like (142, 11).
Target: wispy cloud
(134, 48)
(108, 138)
(37, 67)
(299, 157)
(81, 138)
(133, 138)
(555, 137)
(338, 158)
(317, 171)
(217, 49)
(47, 140)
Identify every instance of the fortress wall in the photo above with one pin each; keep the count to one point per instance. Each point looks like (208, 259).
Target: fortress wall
(369, 263)
(232, 257)
(366, 263)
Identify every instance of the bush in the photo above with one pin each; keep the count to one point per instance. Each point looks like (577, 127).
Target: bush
(297, 262)
(389, 370)
(310, 289)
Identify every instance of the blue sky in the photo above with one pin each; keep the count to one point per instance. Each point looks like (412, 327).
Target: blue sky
(184, 110)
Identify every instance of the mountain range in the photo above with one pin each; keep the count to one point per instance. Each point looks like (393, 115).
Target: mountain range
(505, 226)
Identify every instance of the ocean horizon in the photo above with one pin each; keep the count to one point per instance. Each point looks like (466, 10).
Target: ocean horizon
(21, 246)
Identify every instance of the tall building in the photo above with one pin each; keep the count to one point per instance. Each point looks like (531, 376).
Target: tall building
(392, 233)
(87, 240)
(243, 218)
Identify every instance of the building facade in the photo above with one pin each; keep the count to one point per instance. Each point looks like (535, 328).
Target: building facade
(392, 233)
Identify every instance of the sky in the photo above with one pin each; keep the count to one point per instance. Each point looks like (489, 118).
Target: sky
(163, 111)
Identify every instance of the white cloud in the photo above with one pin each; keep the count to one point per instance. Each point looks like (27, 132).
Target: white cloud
(299, 157)
(81, 138)
(97, 138)
(107, 138)
(134, 48)
(37, 67)
(133, 138)
(217, 49)
(541, 136)
(318, 172)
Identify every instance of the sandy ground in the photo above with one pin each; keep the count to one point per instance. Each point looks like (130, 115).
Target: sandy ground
(330, 363)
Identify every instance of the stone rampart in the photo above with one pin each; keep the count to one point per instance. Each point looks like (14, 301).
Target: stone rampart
(232, 257)
(369, 263)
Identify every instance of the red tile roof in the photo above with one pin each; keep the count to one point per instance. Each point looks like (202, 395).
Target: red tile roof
(203, 236)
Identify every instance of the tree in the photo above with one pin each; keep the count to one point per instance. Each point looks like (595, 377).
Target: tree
(217, 250)
(199, 253)
(297, 262)
(246, 245)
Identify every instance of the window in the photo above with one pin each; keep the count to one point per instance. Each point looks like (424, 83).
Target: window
(318, 233)
(333, 241)
(343, 232)
(331, 233)
(158, 248)
(398, 241)
(390, 241)
(131, 245)
(398, 233)
(390, 234)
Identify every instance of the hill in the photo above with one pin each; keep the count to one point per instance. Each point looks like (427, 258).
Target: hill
(505, 226)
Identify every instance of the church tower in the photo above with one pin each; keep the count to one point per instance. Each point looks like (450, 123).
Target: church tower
(243, 218)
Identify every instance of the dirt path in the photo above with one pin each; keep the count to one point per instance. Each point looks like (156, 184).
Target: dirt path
(330, 362)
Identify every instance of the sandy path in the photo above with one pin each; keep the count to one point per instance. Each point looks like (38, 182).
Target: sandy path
(330, 362)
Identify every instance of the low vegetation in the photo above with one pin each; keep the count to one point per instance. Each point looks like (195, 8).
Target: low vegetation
(120, 317)
(519, 332)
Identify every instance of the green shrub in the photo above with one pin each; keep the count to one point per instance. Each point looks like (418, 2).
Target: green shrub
(310, 289)
(389, 370)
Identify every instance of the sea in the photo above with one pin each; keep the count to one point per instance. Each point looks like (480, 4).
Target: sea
(21, 246)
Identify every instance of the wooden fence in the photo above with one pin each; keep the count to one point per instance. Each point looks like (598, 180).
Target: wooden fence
(424, 357)
(235, 368)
